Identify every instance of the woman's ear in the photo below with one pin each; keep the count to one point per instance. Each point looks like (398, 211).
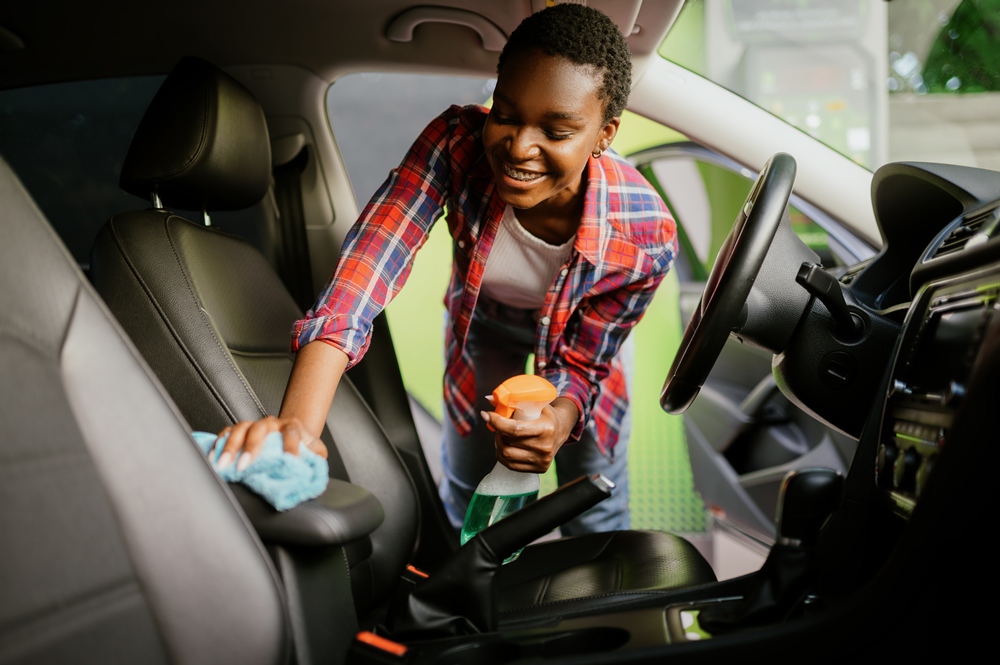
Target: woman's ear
(607, 135)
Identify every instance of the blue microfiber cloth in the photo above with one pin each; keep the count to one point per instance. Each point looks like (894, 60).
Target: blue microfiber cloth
(282, 479)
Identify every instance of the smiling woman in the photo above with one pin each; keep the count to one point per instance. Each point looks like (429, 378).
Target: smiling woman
(558, 247)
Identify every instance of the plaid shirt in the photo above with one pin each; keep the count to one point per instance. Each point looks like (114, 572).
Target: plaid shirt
(624, 246)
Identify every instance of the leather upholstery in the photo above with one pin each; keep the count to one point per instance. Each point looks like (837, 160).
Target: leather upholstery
(103, 557)
(202, 144)
(597, 572)
(213, 320)
(342, 514)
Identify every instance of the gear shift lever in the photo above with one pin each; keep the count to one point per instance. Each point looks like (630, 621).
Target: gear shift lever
(805, 502)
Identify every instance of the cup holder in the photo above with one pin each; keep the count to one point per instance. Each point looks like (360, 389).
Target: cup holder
(584, 641)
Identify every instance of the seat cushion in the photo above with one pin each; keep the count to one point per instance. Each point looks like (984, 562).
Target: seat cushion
(599, 571)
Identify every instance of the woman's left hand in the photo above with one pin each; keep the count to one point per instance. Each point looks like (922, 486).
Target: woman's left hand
(531, 445)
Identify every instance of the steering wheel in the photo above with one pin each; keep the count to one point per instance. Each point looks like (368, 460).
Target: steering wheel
(721, 309)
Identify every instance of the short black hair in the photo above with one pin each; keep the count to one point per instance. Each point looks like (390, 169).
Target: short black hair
(582, 35)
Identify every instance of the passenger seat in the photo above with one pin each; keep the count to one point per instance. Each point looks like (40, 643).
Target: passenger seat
(213, 320)
(118, 543)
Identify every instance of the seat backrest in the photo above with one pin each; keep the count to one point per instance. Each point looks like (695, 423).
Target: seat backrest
(210, 314)
(118, 543)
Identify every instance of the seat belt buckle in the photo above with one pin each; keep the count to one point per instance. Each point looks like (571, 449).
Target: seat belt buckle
(408, 581)
(414, 574)
(371, 649)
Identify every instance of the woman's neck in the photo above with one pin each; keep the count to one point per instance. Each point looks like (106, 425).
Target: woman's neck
(555, 220)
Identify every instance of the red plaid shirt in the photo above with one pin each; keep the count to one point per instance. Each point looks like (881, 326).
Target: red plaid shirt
(623, 248)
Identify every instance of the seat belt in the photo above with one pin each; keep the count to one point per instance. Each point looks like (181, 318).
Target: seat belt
(292, 253)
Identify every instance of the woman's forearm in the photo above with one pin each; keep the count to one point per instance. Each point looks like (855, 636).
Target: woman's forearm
(312, 385)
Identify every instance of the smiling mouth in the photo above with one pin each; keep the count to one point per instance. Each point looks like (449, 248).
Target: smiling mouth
(520, 176)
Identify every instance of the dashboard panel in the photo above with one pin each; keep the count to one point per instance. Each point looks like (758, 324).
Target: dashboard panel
(937, 351)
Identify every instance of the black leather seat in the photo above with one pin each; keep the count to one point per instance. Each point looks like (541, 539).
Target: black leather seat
(118, 543)
(213, 320)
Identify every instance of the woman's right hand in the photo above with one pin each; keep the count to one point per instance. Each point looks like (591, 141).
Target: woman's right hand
(311, 387)
(247, 437)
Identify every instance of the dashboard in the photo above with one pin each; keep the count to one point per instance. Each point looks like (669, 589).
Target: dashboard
(943, 221)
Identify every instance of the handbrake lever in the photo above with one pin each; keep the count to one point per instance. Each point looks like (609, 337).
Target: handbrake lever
(460, 597)
(539, 518)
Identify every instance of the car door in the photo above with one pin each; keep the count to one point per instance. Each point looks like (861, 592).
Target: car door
(743, 435)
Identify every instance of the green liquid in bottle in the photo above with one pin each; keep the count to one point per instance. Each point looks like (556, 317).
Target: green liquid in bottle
(485, 509)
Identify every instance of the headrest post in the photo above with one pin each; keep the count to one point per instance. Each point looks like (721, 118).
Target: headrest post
(157, 203)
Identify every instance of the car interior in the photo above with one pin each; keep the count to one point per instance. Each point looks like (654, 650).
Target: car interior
(837, 400)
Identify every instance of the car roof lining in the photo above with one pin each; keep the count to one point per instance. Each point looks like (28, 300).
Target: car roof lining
(329, 38)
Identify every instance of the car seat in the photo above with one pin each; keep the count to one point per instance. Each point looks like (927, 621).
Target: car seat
(213, 320)
(118, 543)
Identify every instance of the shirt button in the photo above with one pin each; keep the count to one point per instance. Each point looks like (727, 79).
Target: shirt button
(541, 364)
(546, 321)
(461, 244)
(564, 272)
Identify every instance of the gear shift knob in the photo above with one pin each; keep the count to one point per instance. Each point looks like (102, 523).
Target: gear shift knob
(805, 502)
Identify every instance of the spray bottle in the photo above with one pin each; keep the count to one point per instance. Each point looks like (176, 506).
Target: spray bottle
(503, 491)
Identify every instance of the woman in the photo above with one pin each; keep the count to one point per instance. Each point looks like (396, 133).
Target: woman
(558, 247)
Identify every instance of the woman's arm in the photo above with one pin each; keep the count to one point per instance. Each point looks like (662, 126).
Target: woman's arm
(311, 387)
(374, 263)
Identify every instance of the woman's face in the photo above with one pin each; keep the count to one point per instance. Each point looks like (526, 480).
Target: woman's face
(545, 122)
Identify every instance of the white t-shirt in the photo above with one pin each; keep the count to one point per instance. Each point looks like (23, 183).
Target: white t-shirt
(521, 266)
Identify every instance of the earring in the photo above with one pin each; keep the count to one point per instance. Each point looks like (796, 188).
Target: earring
(597, 153)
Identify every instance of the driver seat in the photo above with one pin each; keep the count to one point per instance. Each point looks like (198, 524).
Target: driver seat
(213, 320)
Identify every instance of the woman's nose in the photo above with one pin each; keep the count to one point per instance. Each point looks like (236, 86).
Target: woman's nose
(522, 145)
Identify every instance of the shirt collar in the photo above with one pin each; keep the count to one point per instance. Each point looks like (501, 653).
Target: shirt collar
(591, 235)
(594, 228)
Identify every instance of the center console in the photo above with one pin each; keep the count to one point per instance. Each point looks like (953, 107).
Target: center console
(940, 342)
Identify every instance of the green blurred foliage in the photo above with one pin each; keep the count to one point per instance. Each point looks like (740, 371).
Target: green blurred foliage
(965, 57)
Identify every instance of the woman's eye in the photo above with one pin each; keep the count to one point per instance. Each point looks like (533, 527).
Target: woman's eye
(558, 136)
(502, 120)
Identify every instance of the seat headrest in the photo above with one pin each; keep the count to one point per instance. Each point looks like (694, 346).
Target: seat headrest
(202, 143)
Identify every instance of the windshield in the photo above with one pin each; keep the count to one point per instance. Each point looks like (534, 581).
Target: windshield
(876, 81)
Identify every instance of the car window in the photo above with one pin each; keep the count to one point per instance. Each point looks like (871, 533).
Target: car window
(876, 81)
(67, 143)
(705, 192)
(944, 81)
(376, 116)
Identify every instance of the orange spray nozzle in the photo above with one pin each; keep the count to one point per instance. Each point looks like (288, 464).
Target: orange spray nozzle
(520, 389)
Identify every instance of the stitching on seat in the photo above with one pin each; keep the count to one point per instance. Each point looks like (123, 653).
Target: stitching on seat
(163, 317)
(551, 603)
(347, 564)
(540, 597)
(208, 319)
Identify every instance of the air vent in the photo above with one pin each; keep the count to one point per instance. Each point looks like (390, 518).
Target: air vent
(957, 239)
